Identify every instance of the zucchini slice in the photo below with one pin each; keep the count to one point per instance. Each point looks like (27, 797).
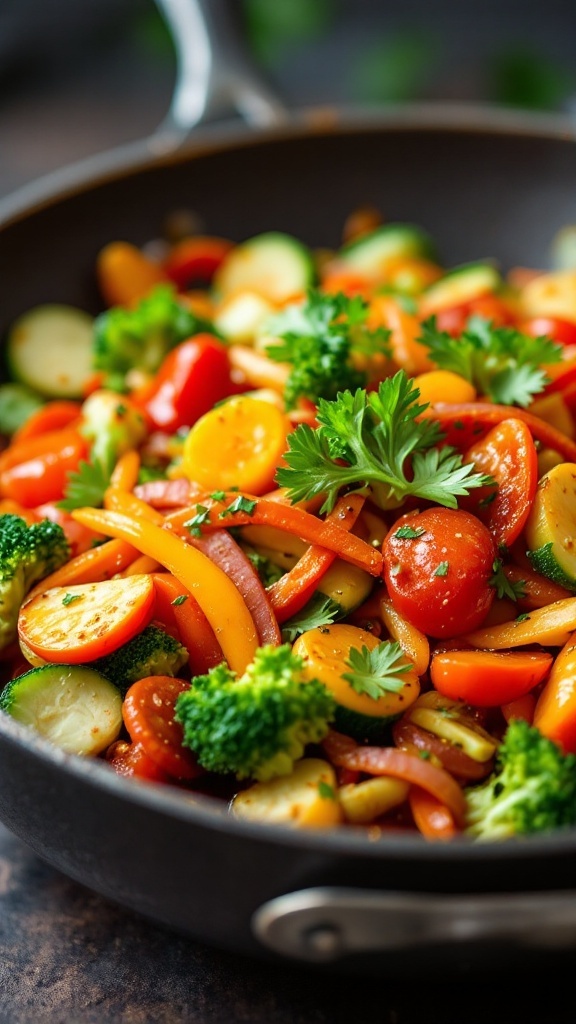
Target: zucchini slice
(462, 284)
(17, 403)
(74, 707)
(372, 252)
(346, 585)
(49, 349)
(275, 265)
(550, 530)
(325, 651)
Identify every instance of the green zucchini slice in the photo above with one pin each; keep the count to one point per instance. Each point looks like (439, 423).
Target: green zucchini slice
(49, 349)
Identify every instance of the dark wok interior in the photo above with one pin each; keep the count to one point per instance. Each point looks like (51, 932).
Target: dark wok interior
(481, 194)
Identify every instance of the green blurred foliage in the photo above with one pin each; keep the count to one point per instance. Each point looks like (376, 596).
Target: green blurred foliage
(395, 69)
(523, 78)
(273, 25)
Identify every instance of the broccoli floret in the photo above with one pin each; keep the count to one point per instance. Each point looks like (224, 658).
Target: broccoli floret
(27, 555)
(140, 338)
(150, 653)
(532, 788)
(258, 725)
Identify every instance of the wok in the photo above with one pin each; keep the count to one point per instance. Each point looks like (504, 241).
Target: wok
(484, 184)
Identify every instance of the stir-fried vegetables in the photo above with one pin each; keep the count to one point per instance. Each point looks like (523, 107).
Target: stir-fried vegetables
(300, 532)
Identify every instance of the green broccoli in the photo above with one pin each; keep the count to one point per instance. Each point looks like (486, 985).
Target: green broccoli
(140, 338)
(532, 788)
(258, 725)
(27, 555)
(150, 653)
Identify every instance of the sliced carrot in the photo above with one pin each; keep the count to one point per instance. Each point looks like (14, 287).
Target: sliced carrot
(401, 765)
(431, 817)
(237, 444)
(464, 422)
(555, 711)
(522, 707)
(176, 606)
(85, 621)
(413, 642)
(538, 590)
(291, 592)
(91, 566)
(407, 352)
(264, 512)
(52, 416)
(219, 599)
(488, 678)
(148, 712)
(256, 370)
(125, 275)
(507, 454)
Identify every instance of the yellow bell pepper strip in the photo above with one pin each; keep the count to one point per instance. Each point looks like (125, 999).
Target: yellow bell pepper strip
(550, 626)
(413, 642)
(125, 473)
(555, 711)
(217, 596)
(238, 509)
(117, 500)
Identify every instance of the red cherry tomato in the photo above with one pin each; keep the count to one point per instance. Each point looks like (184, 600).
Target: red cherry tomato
(508, 454)
(437, 566)
(196, 260)
(489, 307)
(148, 712)
(561, 331)
(193, 377)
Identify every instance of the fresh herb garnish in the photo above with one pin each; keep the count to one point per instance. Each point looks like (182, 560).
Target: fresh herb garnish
(374, 442)
(70, 598)
(195, 524)
(86, 486)
(324, 340)
(319, 611)
(180, 599)
(240, 504)
(376, 672)
(500, 362)
(503, 586)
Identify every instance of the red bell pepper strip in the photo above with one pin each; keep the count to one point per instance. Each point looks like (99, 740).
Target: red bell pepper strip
(464, 423)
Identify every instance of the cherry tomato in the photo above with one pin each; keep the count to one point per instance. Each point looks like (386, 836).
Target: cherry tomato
(195, 260)
(508, 454)
(193, 377)
(437, 566)
(455, 319)
(561, 331)
(131, 759)
(148, 711)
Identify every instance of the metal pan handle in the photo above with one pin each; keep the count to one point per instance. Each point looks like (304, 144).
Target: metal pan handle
(322, 925)
(215, 73)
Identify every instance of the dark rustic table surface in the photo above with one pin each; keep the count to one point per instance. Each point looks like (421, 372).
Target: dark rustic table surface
(68, 956)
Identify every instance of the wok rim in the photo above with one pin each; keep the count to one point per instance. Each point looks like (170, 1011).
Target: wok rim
(197, 809)
(158, 151)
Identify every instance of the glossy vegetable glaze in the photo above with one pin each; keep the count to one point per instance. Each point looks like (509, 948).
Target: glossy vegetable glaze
(320, 472)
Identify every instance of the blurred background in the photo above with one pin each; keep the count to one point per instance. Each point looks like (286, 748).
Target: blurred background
(80, 77)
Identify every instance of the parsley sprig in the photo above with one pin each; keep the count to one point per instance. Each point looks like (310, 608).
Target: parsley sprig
(500, 362)
(503, 586)
(319, 611)
(375, 443)
(377, 672)
(320, 339)
(86, 486)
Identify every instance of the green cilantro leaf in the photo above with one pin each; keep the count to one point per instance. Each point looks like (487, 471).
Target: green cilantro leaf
(442, 569)
(320, 340)
(374, 442)
(195, 524)
(409, 533)
(180, 599)
(86, 486)
(70, 598)
(319, 611)
(326, 791)
(240, 504)
(501, 362)
(377, 672)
